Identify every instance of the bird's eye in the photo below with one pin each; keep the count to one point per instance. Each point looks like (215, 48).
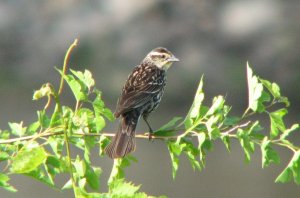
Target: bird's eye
(163, 56)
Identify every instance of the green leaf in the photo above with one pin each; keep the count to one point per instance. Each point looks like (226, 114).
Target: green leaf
(287, 132)
(191, 153)
(67, 185)
(45, 90)
(4, 156)
(33, 127)
(4, 183)
(231, 121)
(17, 128)
(218, 103)
(246, 143)
(56, 144)
(78, 88)
(103, 142)
(99, 106)
(226, 141)
(256, 94)
(277, 124)
(195, 108)
(99, 123)
(211, 125)
(118, 168)
(167, 127)
(41, 176)
(28, 159)
(55, 166)
(119, 188)
(44, 120)
(79, 166)
(284, 100)
(292, 170)
(268, 154)
(92, 177)
(274, 89)
(85, 77)
(204, 144)
(175, 150)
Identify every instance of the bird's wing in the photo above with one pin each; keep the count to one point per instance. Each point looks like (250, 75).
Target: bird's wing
(139, 89)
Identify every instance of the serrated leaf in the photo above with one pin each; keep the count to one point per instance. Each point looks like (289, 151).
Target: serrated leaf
(86, 77)
(167, 127)
(284, 100)
(292, 170)
(4, 156)
(4, 183)
(195, 108)
(17, 128)
(103, 142)
(202, 146)
(231, 121)
(45, 90)
(256, 94)
(118, 168)
(56, 144)
(120, 188)
(41, 176)
(246, 143)
(78, 88)
(99, 107)
(191, 153)
(218, 103)
(287, 132)
(79, 166)
(226, 141)
(43, 119)
(273, 88)
(268, 154)
(68, 185)
(277, 124)
(33, 127)
(175, 150)
(213, 130)
(28, 160)
(92, 177)
(100, 123)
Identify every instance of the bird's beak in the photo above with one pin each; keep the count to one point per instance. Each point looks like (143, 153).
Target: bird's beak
(173, 59)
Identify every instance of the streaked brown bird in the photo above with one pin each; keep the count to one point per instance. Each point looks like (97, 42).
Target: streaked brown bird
(140, 95)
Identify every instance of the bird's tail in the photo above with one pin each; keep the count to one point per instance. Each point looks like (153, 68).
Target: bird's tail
(124, 141)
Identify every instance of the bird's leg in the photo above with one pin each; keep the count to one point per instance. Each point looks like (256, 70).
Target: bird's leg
(145, 117)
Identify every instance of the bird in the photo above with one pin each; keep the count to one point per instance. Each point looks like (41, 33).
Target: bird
(141, 94)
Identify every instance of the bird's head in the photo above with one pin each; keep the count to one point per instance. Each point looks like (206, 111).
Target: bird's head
(161, 57)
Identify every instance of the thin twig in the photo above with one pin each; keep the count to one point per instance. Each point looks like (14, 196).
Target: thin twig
(106, 134)
(236, 127)
(66, 60)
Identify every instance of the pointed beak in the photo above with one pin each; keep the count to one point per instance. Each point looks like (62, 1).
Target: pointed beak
(173, 59)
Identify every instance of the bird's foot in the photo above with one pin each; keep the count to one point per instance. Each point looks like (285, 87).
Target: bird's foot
(150, 136)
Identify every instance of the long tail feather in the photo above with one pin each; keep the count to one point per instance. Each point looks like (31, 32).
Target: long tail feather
(124, 141)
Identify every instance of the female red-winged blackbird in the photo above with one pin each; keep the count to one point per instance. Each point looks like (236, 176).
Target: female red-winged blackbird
(141, 94)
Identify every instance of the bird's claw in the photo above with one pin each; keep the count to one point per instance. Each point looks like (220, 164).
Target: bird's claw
(150, 136)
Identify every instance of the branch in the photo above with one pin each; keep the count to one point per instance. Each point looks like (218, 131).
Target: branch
(236, 127)
(106, 134)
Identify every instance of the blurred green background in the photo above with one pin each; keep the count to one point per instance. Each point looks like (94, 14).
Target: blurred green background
(210, 37)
